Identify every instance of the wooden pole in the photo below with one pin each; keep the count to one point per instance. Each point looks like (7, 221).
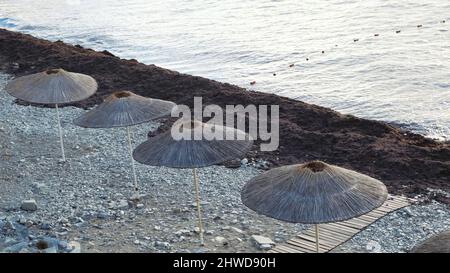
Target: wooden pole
(199, 213)
(60, 134)
(130, 149)
(317, 238)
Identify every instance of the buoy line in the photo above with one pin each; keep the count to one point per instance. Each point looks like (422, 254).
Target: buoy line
(310, 56)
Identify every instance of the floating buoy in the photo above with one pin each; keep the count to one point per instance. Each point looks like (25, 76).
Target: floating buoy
(252, 82)
(358, 39)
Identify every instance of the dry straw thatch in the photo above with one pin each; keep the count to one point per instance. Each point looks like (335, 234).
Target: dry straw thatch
(163, 150)
(124, 108)
(439, 243)
(54, 86)
(313, 193)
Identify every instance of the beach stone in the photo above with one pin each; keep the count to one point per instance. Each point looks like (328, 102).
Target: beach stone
(75, 246)
(183, 232)
(220, 240)
(237, 230)
(63, 244)
(123, 204)
(197, 230)
(409, 212)
(263, 242)
(164, 245)
(102, 215)
(21, 219)
(39, 187)
(137, 196)
(265, 246)
(29, 205)
(45, 226)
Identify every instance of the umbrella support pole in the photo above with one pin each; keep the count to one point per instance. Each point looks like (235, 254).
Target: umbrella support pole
(60, 134)
(199, 212)
(317, 238)
(133, 168)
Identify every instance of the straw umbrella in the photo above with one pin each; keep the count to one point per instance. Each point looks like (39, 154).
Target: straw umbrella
(439, 243)
(193, 153)
(53, 86)
(125, 109)
(313, 193)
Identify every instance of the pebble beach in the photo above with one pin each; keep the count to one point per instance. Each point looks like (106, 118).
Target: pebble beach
(85, 204)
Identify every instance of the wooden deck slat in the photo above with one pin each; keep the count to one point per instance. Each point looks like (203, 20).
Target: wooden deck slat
(312, 240)
(339, 226)
(355, 224)
(343, 233)
(307, 245)
(281, 249)
(304, 247)
(377, 213)
(350, 225)
(290, 249)
(334, 234)
(396, 204)
(329, 240)
(367, 217)
(325, 233)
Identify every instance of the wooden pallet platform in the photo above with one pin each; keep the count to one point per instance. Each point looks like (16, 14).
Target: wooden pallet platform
(334, 234)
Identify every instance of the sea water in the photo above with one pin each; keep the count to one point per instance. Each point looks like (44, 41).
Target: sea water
(401, 75)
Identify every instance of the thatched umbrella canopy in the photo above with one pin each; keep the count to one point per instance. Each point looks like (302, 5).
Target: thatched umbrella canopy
(313, 193)
(439, 243)
(198, 150)
(164, 150)
(125, 109)
(53, 86)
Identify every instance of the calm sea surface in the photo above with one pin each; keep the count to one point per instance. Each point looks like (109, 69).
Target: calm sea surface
(402, 78)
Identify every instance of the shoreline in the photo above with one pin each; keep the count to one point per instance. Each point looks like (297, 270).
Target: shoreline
(407, 163)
